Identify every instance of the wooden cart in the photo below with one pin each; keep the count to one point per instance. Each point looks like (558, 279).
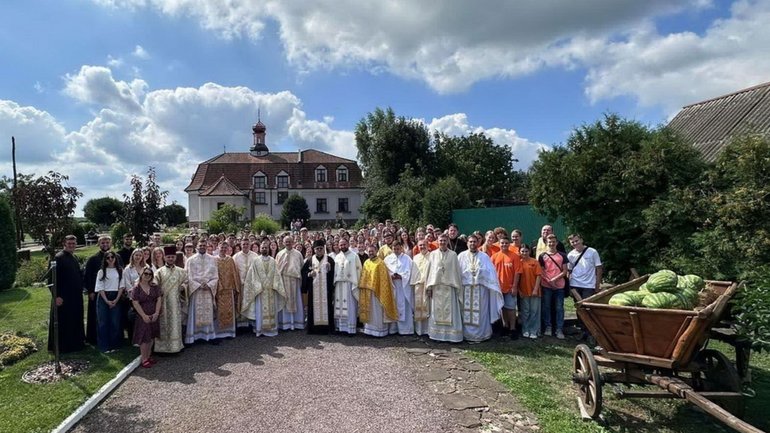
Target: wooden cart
(643, 346)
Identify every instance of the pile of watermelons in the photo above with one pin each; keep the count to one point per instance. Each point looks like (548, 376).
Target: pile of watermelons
(664, 289)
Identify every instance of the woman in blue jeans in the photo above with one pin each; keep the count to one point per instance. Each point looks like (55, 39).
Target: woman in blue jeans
(554, 266)
(108, 290)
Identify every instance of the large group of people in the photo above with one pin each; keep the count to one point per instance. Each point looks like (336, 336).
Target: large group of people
(380, 280)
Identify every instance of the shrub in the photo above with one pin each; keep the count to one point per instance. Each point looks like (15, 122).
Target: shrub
(118, 230)
(31, 271)
(88, 226)
(7, 246)
(295, 207)
(168, 239)
(264, 222)
(14, 348)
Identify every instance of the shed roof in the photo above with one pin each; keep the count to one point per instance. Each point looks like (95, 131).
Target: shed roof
(709, 125)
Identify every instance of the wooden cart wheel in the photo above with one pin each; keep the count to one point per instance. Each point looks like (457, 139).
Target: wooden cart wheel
(718, 374)
(588, 379)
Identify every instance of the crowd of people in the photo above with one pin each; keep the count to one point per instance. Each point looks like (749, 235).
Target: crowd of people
(380, 280)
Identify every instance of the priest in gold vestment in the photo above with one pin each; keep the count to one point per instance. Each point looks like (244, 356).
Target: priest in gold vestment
(172, 280)
(444, 287)
(228, 290)
(289, 262)
(347, 272)
(417, 282)
(263, 294)
(376, 301)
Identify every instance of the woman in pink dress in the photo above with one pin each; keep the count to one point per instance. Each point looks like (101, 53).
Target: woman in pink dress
(146, 298)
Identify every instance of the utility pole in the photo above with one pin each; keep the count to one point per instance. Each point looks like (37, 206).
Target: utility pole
(15, 198)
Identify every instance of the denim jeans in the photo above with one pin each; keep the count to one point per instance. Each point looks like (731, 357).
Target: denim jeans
(108, 329)
(584, 292)
(530, 314)
(551, 296)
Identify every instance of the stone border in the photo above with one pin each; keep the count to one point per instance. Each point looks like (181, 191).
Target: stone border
(98, 396)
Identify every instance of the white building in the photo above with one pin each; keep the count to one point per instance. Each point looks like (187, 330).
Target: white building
(260, 181)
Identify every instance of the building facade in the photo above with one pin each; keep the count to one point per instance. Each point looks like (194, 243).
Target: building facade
(260, 181)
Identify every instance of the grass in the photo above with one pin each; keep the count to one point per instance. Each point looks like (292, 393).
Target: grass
(539, 375)
(37, 408)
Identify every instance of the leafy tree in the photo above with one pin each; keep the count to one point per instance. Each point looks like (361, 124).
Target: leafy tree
(226, 219)
(603, 180)
(264, 222)
(48, 204)
(408, 200)
(439, 201)
(483, 168)
(6, 191)
(8, 259)
(102, 211)
(142, 209)
(174, 214)
(294, 207)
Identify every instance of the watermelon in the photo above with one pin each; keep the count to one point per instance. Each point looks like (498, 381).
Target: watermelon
(621, 299)
(662, 281)
(637, 297)
(692, 295)
(683, 302)
(643, 288)
(693, 282)
(661, 300)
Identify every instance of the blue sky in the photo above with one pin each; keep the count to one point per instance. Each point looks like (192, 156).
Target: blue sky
(100, 89)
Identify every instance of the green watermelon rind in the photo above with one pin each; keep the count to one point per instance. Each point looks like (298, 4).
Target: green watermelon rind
(661, 300)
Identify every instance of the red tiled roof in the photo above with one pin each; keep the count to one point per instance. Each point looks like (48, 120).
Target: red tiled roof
(222, 187)
(239, 168)
(709, 125)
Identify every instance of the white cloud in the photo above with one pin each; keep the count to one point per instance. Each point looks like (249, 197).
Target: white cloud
(114, 62)
(37, 133)
(526, 151)
(140, 53)
(39, 88)
(95, 85)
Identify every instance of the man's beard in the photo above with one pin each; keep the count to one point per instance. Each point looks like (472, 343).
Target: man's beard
(264, 253)
(344, 250)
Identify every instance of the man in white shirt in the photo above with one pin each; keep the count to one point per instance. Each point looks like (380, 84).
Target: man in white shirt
(585, 270)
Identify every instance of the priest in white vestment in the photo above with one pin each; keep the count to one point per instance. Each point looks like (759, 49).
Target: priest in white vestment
(289, 262)
(400, 270)
(202, 276)
(263, 294)
(417, 283)
(243, 260)
(482, 299)
(347, 271)
(443, 285)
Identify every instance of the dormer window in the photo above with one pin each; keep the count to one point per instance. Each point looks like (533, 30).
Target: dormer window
(342, 174)
(282, 180)
(320, 174)
(260, 181)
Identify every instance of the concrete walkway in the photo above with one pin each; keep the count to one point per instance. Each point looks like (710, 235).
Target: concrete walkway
(296, 382)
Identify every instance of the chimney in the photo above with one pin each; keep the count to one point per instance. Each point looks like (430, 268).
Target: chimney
(299, 155)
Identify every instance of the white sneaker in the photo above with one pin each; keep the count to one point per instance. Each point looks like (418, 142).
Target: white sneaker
(533, 336)
(560, 335)
(525, 335)
(548, 331)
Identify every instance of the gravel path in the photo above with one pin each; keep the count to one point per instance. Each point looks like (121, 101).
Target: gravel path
(291, 383)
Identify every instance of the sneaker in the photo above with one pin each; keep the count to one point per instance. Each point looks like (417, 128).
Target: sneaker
(526, 335)
(548, 332)
(533, 336)
(560, 334)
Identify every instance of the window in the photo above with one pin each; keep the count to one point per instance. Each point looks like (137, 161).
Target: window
(320, 174)
(320, 205)
(283, 181)
(342, 174)
(342, 205)
(282, 196)
(220, 204)
(260, 182)
(259, 198)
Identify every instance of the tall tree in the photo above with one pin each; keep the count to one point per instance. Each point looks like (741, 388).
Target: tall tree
(48, 205)
(142, 209)
(174, 214)
(605, 177)
(294, 207)
(226, 219)
(7, 246)
(408, 199)
(439, 201)
(103, 211)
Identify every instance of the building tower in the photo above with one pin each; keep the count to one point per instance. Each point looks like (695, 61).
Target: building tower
(259, 148)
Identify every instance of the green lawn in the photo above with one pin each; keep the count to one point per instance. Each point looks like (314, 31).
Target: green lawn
(539, 372)
(38, 408)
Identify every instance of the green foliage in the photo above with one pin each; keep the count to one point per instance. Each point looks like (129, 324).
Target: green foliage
(88, 226)
(174, 214)
(226, 219)
(102, 211)
(294, 207)
(604, 179)
(407, 203)
(168, 239)
(31, 271)
(264, 222)
(8, 259)
(441, 198)
(751, 309)
(14, 348)
(142, 209)
(118, 230)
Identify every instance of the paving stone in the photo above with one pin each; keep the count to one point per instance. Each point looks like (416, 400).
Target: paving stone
(473, 367)
(460, 401)
(417, 351)
(434, 375)
(470, 419)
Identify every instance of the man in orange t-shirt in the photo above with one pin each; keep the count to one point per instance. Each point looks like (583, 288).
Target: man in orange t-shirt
(508, 267)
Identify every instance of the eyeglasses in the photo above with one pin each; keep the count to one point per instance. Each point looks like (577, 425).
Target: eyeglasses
(110, 257)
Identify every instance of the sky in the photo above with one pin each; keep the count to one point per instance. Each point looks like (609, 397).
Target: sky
(99, 90)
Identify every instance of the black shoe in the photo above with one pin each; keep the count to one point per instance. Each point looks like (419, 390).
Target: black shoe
(214, 342)
(514, 334)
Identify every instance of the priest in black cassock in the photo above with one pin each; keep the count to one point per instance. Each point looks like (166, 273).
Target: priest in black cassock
(93, 265)
(68, 301)
(318, 283)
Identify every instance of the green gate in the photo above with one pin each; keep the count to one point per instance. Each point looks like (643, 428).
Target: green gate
(522, 217)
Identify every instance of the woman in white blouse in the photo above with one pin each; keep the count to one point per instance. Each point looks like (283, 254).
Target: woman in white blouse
(134, 270)
(108, 290)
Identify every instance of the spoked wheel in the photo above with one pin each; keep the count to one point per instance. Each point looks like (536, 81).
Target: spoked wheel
(718, 374)
(588, 379)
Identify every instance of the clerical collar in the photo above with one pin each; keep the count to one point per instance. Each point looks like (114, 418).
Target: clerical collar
(171, 266)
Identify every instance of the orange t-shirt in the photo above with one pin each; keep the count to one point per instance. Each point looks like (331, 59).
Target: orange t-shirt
(507, 266)
(490, 249)
(431, 247)
(529, 270)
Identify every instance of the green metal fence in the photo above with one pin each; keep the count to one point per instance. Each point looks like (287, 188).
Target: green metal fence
(523, 217)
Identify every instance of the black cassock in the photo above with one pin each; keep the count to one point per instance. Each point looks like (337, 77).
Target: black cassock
(69, 282)
(307, 287)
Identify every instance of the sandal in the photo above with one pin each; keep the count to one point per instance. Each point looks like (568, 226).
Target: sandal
(152, 361)
(146, 364)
